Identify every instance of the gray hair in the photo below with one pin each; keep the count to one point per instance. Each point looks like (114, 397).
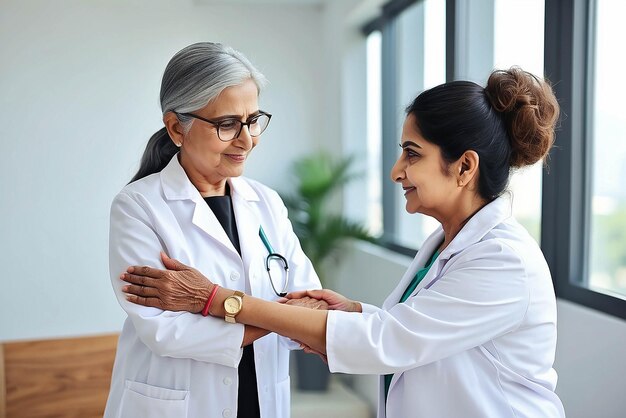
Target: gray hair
(194, 77)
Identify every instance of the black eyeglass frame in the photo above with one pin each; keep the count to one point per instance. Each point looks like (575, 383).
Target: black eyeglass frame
(217, 123)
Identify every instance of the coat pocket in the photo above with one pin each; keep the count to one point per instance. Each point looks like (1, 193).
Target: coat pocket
(143, 400)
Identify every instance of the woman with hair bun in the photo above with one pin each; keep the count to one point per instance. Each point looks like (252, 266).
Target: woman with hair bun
(470, 330)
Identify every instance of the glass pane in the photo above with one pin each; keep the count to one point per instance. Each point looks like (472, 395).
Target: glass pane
(518, 40)
(374, 134)
(608, 150)
(421, 37)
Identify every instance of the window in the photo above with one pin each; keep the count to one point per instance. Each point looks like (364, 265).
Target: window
(584, 220)
(607, 134)
(579, 213)
(406, 48)
(518, 40)
(417, 54)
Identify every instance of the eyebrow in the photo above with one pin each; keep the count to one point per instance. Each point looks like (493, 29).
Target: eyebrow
(406, 144)
(238, 117)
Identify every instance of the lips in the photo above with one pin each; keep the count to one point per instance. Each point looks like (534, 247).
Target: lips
(239, 158)
(408, 190)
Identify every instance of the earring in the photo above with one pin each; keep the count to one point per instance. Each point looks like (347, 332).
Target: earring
(179, 145)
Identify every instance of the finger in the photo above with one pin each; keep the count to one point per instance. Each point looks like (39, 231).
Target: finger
(140, 290)
(140, 280)
(296, 295)
(293, 302)
(146, 271)
(309, 350)
(171, 263)
(140, 300)
(315, 293)
(282, 300)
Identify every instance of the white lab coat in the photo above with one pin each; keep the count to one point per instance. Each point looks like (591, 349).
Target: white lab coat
(476, 338)
(178, 364)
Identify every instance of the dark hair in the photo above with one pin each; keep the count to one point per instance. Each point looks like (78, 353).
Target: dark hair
(194, 76)
(509, 124)
(159, 151)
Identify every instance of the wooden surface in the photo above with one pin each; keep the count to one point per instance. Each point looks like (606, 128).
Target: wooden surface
(2, 391)
(58, 378)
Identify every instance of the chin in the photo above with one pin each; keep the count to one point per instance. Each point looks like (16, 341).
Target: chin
(236, 172)
(411, 209)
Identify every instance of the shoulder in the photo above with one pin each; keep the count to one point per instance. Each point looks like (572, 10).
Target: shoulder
(264, 193)
(500, 252)
(515, 239)
(506, 254)
(490, 253)
(140, 192)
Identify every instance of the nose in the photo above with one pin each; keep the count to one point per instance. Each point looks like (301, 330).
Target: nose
(244, 139)
(397, 171)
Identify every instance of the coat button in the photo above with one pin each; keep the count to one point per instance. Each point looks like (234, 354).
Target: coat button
(234, 276)
(228, 381)
(226, 413)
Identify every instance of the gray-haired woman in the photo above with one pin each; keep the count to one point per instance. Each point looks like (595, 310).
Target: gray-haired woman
(188, 200)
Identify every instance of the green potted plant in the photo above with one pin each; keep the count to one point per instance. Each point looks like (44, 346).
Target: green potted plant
(321, 233)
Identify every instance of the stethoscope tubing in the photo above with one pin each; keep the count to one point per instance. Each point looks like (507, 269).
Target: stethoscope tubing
(271, 255)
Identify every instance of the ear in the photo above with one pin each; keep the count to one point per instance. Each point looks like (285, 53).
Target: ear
(174, 128)
(467, 168)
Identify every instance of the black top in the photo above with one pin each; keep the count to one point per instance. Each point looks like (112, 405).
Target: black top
(248, 397)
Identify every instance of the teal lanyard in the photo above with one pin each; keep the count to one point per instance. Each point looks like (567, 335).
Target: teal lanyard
(266, 242)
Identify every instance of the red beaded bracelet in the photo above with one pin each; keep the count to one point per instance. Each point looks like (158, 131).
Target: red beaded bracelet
(207, 305)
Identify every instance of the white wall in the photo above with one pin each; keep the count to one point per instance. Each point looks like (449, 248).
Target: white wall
(591, 362)
(79, 85)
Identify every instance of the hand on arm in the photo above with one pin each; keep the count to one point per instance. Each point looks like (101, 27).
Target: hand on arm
(184, 288)
(179, 288)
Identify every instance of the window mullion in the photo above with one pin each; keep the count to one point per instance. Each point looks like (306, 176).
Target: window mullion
(389, 130)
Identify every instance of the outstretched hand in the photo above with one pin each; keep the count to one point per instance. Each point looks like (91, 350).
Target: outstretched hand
(307, 302)
(179, 288)
(334, 300)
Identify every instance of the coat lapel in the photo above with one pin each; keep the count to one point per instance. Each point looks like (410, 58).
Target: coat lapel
(176, 186)
(420, 260)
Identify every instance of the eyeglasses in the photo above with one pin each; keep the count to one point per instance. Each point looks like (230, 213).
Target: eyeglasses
(230, 128)
(275, 259)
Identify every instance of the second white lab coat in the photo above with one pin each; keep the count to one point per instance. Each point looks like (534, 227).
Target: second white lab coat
(476, 338)
(178, 364)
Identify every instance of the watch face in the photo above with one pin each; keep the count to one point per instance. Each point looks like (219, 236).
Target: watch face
(231, 305)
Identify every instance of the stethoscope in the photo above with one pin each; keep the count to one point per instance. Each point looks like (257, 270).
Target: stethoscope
(274, 256)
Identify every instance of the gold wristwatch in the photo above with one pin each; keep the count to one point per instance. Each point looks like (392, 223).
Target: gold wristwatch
(233, 305)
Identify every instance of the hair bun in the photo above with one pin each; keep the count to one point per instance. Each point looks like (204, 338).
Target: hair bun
(530, 111)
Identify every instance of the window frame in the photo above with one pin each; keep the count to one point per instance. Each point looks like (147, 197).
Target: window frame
(565, 222)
